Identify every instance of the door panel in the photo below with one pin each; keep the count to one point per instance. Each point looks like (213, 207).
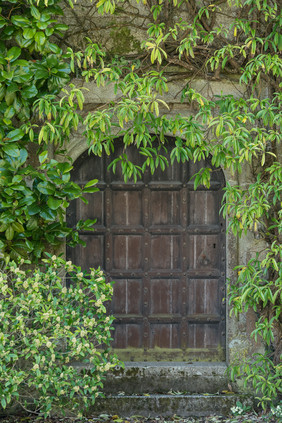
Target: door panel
(164, 245)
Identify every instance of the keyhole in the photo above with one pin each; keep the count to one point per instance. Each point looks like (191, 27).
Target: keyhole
(213, 245)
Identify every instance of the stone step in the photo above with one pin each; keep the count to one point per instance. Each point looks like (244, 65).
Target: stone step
(168, 405)
(165, 377)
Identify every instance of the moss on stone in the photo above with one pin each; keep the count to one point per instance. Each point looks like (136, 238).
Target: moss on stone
(123, 41)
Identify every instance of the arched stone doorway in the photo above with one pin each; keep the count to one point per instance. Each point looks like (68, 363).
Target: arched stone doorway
(164, 245)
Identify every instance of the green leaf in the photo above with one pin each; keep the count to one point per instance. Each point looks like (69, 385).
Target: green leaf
(47, 214)
(21, 62)
(35, 12)
(91, 183)
(9, 113)
(12, 150)
(32, 224)
(23, 156)
(29, 33)
(54, 203)
(45, 16)
(45, 188)
(91, 189)
(52, 61)
(10, 97)
(23, 76)
(43, 156)
(20, 248)
(20, 21)
(13, 54)
(33, 209)
(18, 227)
(41, 74)
(2, 92)
(54, 48)
(49, 31)
(14, 135)
(64, 167)
(42, 25)
(8, 75)
(61, 27)
(29, 92)
(40, 37)
(3, 227)
(16, 179)
(9, 233)
(12, 88)
(2, 22)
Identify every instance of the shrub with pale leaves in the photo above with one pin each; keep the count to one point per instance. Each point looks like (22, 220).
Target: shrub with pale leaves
(55, 336)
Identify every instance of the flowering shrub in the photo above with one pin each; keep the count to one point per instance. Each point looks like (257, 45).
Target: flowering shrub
(240, 409)
(277, 411)
(50, 334)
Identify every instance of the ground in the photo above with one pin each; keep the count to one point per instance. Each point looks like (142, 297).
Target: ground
(104, 418)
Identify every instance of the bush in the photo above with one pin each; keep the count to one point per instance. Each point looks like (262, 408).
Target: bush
(46, 329)
(263, 375)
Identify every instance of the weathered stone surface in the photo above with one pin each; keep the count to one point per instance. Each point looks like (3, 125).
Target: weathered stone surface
(137, 378)
(208, 88)
(168, 405)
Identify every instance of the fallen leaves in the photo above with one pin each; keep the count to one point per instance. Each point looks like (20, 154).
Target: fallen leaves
(106, 418)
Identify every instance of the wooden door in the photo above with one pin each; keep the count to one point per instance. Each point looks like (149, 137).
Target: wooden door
(164, 246)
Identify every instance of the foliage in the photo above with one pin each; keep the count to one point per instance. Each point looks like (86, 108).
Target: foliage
(277, 411)
(34, 196)
(239, 409)
(241, 133)
(264, 375)
(34, 202)
(45, 329)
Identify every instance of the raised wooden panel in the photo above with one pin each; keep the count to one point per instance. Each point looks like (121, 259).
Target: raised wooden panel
(203, 335)
(165, 296)
(164, 208)
(203, 207)
(203, 297)
(165, 252)
(128, 335)
(127, 252)
(95, 209)
(95, 252)
(127, 208)
(128, 297)
(164, 336)
(171, 173)
(204, 254)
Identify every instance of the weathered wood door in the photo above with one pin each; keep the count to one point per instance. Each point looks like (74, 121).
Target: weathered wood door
(164, 246)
